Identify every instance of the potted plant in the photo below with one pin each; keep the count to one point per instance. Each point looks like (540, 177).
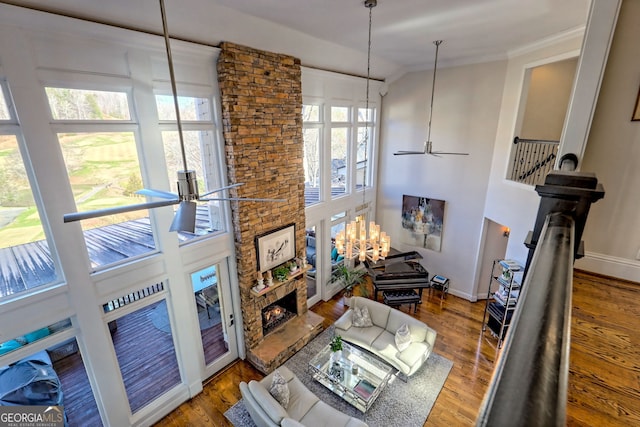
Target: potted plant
(350, 277)
(336, 348)
(281, 273)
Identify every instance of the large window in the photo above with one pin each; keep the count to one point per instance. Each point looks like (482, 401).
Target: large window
(347, 142)
(25, 260)
(104, 170)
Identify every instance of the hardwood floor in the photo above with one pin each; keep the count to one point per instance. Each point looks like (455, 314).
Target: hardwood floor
(604, 380)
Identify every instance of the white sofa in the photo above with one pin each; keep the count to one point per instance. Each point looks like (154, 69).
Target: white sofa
(304, 408)
(380, 338)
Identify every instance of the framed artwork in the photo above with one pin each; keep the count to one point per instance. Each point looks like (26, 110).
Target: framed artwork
(636, 111)
(422, 220)
(276, 247)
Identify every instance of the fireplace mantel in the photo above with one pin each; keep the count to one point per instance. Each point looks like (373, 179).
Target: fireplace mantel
(276, 284)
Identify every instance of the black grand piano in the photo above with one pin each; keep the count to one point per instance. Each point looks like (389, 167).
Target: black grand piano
(397, 272)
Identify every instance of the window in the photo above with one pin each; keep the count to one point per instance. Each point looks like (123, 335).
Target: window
(199, 145)
(104, 172)
(76, 104)
(191, 108)
(25, 259)
(4, 109)
(339, 161)
(340, 157)
(103, 169)
(311, 133)
(343, 148)
(364, 147)
(339, 114)
(143, 342)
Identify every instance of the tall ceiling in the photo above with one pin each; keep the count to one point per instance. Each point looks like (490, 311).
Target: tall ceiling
(332, 34)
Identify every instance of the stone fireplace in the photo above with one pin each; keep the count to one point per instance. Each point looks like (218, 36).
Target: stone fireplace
(261, 99)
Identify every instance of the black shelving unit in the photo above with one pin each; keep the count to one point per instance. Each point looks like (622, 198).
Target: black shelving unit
(502, 297)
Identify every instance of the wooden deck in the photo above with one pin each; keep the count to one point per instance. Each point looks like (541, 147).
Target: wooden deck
(147, 361)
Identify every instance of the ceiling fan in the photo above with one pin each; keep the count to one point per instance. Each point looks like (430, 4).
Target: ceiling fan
(427, 149)
(185, 218)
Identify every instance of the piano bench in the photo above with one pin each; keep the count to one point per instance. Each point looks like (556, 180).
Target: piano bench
(397, 298)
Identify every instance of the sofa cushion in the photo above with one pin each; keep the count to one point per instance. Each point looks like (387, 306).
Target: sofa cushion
(416, 353)
(363, 337)
(324, 415)
(403, 337)
(279, 389)
(301, 400)
(385, 347)
(379, 312)
(361, 317)
(267, 403)
(290, 422)
(344, 322)
(397, 318)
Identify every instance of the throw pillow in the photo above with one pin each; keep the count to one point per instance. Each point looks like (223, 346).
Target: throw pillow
(280, 389)
(361, 317)
(403, 337)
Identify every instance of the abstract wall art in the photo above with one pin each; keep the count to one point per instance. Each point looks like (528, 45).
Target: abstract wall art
(422, 220)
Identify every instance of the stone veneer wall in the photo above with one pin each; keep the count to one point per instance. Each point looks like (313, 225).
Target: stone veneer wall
(261, 96)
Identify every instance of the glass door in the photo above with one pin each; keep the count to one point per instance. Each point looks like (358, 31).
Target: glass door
(211, 292)
(312, 254)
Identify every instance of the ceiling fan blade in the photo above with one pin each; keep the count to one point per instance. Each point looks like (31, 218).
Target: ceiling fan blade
(185, 219)
(240, 199)
(222, 188)
(455, 154)
(78, 216)
(407, 153)
(157, 193)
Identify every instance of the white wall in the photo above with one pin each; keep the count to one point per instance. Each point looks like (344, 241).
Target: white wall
(612, 232)
(465, 118)
(511, 204)
(547, 100)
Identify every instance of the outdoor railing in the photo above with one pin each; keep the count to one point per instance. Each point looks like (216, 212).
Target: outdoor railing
(529, 386)
(533, 159)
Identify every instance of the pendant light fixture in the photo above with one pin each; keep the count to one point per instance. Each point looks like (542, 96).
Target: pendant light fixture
(427, 149)
(354, 241)
(185, 218)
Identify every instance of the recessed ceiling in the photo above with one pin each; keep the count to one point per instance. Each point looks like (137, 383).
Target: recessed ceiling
(332, 34)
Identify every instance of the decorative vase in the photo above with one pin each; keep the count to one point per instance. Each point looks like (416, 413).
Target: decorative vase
(336, 356)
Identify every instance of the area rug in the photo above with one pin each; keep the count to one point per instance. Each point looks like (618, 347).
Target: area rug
(160, 318)
(400, 404)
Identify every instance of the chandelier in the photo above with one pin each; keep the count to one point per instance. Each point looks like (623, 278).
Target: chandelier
(354, 242)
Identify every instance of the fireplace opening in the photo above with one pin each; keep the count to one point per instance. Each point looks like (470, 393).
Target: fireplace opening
(279, 312)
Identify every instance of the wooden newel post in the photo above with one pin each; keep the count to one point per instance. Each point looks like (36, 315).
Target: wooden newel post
(570, 193)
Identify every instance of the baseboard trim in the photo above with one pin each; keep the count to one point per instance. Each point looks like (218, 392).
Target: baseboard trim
(607, 265)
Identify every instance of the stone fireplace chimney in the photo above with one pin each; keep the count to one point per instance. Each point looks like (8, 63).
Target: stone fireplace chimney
(261, 97)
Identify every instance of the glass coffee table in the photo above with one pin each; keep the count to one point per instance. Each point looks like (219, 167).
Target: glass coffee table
(357, 377)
